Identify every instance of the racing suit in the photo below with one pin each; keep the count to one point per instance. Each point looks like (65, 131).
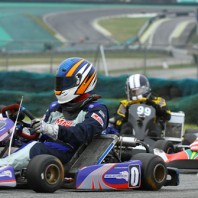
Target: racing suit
(73, 130)
(162, 114)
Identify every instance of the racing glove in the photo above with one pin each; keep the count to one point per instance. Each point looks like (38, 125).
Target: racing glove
(42, 127)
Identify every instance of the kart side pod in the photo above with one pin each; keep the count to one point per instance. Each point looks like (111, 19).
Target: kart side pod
(110, 176)
(145, 171)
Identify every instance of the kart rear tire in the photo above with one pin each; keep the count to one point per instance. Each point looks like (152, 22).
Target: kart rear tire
(189, 138)
(45, 174)
(154, 171)
(165, 145)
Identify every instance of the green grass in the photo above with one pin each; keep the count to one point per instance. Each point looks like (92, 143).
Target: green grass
(190, 126)
(56, 58)
(123, 28)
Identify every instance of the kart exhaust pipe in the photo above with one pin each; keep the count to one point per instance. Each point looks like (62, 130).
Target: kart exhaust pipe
(127, 141)
(132, 142)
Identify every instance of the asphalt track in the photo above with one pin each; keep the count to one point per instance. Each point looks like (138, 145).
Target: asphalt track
(188, 188)
(76, 25)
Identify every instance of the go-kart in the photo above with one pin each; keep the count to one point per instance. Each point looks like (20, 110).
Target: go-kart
(184, 158)
(172, 144)
(180, 155)
(142, 118)
(100, 165)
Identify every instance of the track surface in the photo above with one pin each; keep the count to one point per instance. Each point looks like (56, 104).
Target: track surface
(79, 24)
(188, 188)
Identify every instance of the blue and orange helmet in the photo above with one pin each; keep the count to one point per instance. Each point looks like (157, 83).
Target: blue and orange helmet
(75, 76)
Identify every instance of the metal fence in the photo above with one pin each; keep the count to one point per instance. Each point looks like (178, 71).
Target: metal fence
(158, 61)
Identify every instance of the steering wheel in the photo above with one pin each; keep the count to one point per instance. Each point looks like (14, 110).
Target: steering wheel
(10, 111)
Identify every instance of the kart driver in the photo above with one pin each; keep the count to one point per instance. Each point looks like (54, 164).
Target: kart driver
(138, 91)
(74, 119)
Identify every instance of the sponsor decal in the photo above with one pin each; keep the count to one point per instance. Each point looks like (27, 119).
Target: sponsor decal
(97, 118)
(123, 167)
(91, 106)
(6, 173)
(122, 175)
(102, 113)
(63, 122)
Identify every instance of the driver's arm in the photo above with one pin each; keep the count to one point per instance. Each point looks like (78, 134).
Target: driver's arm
(121, 114)
(161, 107)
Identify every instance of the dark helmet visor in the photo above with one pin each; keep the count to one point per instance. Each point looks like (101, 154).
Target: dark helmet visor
(63, 83)
(137, 91)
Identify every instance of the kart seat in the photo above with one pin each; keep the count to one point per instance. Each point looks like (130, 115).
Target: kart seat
(91, 154)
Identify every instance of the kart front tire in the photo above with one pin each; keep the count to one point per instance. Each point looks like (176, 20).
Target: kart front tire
(154, 171)
(45, 174)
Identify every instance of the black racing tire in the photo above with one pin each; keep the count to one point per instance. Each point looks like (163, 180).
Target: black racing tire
(189, 138)
(154, 171)
(165, 145)
(45, 174)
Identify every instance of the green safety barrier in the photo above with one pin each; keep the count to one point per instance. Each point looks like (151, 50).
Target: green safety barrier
(37, 91)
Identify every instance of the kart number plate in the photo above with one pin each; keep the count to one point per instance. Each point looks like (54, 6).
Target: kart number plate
(143, 111)
(134, 176)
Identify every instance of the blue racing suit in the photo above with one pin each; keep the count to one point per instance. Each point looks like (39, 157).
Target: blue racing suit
(89, 122)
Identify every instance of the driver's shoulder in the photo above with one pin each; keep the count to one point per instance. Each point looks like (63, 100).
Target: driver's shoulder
(125, 103)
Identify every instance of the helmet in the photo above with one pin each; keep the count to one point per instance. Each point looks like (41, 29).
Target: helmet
(75, 76)
(137, 86)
